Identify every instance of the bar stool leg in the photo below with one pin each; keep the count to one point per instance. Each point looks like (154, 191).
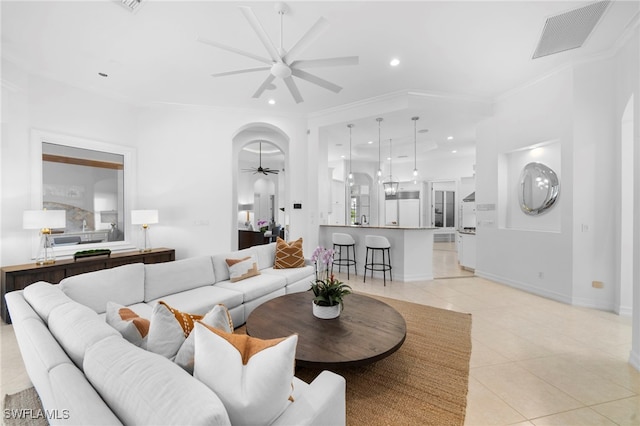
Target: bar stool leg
(355, 263)
(366, 260)
(384, 270)
(348, 261)
(390, 267)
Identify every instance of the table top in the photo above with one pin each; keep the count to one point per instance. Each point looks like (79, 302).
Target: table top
(366, 331)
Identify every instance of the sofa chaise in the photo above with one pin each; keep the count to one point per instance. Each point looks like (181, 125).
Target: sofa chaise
(85, 372)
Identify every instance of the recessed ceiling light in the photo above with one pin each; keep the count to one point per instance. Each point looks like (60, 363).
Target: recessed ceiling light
(342, 156)
(394, 62)
(272, 101)
(388, 158)
(454, 151)
(370, 142)
(102, 74)
(449, 138)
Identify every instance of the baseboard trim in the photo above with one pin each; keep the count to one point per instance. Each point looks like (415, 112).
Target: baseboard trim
(634, 360)
(558, 297)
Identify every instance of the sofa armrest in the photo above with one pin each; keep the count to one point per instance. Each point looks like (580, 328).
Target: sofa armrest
(322, 403)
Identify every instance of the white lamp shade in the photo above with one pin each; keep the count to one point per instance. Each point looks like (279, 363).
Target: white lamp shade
(144, 217)
(245, 207)
(39, 219)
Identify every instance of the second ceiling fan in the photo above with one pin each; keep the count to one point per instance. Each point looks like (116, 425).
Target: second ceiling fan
(285, 64)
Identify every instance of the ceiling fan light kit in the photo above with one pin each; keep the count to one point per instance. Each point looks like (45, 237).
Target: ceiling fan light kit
(284, 64)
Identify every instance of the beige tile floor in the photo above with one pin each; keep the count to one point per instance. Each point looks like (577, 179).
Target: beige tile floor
(534, 361)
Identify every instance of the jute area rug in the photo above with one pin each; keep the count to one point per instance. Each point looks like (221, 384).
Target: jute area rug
(424, 383)
(25, 409)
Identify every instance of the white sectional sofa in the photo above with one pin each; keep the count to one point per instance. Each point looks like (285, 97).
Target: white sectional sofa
(87, 373)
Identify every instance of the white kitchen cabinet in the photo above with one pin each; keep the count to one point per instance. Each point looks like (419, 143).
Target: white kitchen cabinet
(467, 250)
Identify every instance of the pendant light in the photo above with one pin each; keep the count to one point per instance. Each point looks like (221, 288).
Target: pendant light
(390, 183)
(379, 173)
(350, 176)
(416, 176)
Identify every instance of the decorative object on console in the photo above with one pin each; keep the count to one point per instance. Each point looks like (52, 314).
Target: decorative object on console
(390, 183)
(329, 292)
(263, 225)
(288, 254)
(247, 208)
(144, 218)
(91, 253)
(254, 389)
(282, 63)
(45, 221)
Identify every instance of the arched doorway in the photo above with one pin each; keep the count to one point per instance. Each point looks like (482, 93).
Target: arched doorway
(260, 181)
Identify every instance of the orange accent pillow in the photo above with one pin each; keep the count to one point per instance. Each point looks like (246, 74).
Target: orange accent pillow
(288, 254)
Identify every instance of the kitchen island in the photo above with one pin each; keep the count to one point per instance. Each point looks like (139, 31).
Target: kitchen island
(411, 249)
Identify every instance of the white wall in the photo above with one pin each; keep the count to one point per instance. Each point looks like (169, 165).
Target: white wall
(537, 261)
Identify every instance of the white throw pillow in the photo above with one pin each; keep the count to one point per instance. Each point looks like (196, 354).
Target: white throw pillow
(240, 269)
(169, 329)
(219, 318)
(252, 377)
(132, 327)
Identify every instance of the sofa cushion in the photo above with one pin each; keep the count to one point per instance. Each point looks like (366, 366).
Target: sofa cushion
(44, 297)
(122, 284)
(241, 269)
(201, 300)
(252, 377)
(218, 318)
(77, 327)
(293, 275)
(169, 329)
(166, 278)
(256, 286)
(144, 388)
(69, 385)
(288, 254)
(132, 327)
(266, 254)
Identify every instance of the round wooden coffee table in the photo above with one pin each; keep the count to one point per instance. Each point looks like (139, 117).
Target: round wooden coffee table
(366, 331)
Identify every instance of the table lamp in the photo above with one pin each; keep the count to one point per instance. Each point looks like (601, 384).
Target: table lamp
(144, 218)
(44, 220)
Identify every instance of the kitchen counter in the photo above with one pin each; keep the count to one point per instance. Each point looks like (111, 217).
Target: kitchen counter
(411, 248)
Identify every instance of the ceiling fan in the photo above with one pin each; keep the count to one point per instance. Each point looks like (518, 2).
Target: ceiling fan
(285, 64)
(264, 170)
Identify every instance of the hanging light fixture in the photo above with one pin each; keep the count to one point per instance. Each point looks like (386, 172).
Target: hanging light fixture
(350, 176)
(416, 176)
(379, 173)
(390, 183)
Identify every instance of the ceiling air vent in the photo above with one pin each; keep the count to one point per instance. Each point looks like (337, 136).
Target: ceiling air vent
(131, 5)
(569, 30)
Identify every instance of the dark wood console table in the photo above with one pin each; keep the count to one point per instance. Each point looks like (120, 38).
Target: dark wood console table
(18, 277)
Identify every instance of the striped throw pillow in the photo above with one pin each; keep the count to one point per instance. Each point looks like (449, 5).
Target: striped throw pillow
(288, 254)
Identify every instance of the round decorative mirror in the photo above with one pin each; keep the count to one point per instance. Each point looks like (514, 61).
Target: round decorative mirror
(538, 190)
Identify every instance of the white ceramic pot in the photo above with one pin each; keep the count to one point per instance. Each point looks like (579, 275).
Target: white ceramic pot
(326, 312)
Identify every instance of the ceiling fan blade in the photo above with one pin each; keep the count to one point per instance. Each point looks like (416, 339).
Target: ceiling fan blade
(293, 88)
(222, 74)
(309, 37)
(316, 80)
(328, 62)
(234, 50)
(264, 86)
(262, 35)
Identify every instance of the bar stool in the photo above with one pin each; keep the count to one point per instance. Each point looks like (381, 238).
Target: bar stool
(340, 241)
(375, 243)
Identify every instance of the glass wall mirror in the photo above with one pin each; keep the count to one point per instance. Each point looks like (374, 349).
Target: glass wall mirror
(92, 182)
(538, 189)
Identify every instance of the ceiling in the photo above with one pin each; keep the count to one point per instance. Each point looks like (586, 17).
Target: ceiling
(475, 49)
